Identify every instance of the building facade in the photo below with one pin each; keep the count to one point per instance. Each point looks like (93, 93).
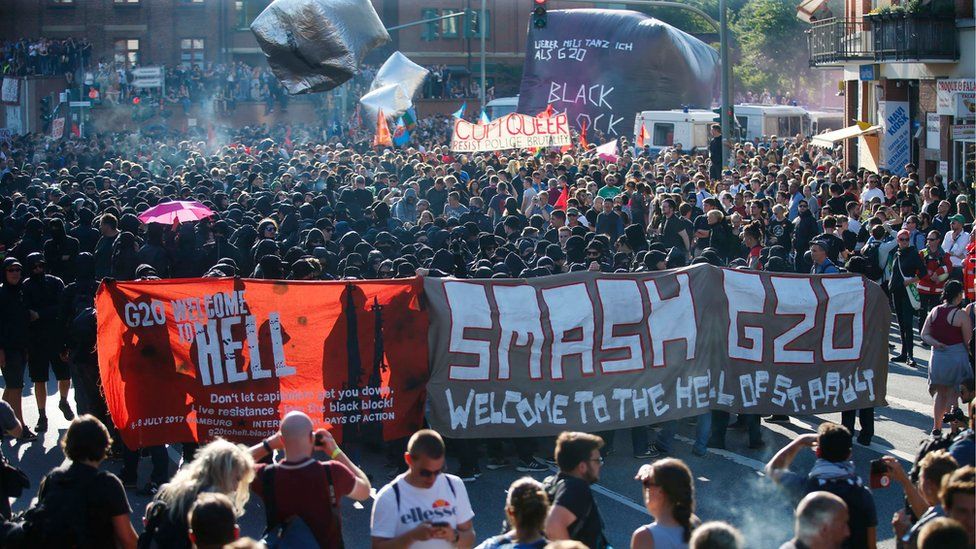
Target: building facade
(910, 69)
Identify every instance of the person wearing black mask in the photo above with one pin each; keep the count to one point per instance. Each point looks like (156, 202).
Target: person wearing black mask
(45, 337)
(13, 338)
(60, 251)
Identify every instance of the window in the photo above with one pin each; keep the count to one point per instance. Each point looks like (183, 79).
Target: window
(663, 135)
(788, 126)
(450, 27)
(474, 24)
(247, 10)
(191, 51)
(127, 51)
(430, 29)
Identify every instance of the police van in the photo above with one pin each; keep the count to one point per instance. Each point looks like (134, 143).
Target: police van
(684, 129)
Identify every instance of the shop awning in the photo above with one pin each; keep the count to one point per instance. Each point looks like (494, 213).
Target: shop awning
(830, 139)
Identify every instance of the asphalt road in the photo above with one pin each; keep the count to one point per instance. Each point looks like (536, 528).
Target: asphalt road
(730, 485)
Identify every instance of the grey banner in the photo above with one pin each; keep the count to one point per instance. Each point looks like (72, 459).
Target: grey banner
(595, 351)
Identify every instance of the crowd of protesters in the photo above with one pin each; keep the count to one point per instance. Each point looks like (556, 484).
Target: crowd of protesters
(44, 56)
(298, 206)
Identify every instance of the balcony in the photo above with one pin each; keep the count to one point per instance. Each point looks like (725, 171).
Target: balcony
(883, 38)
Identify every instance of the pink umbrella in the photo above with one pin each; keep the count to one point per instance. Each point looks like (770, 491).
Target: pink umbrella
(180, 211)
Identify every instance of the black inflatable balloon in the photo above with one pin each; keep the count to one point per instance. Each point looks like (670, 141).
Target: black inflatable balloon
(605, 66)
(316, 45)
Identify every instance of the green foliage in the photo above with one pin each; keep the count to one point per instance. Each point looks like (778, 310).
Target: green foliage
(772, 46)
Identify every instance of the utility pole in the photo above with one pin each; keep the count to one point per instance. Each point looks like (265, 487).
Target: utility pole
(723, 37)
(481, 31)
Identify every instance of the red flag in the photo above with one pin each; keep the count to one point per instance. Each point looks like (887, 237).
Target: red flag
(582, 136)
(563, 200)
(288, 139)
(383, 136)
(75, 130)
(546, 113)
(642, 136)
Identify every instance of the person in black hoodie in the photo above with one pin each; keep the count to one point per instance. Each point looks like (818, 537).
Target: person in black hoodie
(13, 338)
(805, 228)
(221, 247)
(45, 337)
(905, 271)
(78, 318)
(60, 251)
(153, 252)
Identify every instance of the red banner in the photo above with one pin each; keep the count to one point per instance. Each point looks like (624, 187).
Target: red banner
(193, 359)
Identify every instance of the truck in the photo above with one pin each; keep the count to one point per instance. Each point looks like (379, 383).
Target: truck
(496, 108)
(685, 129)
(761, 121)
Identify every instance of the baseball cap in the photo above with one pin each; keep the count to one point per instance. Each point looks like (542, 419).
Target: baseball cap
(958, 218)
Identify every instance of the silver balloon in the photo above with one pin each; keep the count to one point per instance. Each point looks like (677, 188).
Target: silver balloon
(390, 98)
(316, 45)
(400, 70)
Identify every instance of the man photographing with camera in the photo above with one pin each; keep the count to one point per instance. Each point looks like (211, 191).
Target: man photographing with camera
(302, 487)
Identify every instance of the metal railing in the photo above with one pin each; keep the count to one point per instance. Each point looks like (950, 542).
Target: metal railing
(914, 38)
(838, 40)
(880, 39)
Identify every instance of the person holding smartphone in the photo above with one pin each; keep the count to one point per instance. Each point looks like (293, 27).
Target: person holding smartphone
(304, 487)
(424, 507)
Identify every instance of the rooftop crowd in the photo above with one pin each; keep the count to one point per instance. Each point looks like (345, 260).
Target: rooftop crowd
(300, 208)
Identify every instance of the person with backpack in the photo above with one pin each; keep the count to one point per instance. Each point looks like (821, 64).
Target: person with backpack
(301, 494)
(79, 505)
(219, 467)
(832, 472)
(574, 514)
(937, 270)
(876, 251)
(424, 507)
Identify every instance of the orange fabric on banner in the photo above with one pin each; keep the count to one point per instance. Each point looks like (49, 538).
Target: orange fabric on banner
(192, 359)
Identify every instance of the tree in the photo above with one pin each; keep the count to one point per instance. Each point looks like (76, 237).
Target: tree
(772, 46)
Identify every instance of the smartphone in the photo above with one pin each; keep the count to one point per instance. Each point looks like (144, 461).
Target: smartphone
(440, 524)
(879, 474)
(319, 439)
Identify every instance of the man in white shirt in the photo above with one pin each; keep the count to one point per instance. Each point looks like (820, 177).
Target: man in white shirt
(873, 190)
(423, 508)
(955, 243)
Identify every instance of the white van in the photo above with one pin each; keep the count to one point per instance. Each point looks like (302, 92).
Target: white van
(497, 108)
(674, 127)
(762, 121)
(820, 121)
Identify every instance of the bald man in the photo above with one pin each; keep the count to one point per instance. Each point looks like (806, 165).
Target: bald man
(304, 487)
(821, 522)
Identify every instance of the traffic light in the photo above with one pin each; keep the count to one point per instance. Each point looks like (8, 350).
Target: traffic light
(718, 115)
(539, 17)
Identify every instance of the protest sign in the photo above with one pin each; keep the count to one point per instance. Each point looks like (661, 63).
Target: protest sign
(595, 352)
(604, 66)
(512, 131)
(190, 360)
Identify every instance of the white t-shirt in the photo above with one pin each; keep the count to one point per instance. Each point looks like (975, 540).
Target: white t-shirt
(436, 504)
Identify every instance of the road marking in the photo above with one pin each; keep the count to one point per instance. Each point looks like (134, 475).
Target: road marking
(753, 464)
(914, 406)
(881, 449)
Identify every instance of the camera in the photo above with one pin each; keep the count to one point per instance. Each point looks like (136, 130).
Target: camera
(319, 439)
(955, 414)
(879, 474)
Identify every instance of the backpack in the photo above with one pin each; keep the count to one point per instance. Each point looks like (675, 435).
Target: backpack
(873, 255)
(59, 519)
(293, 533)
(160, 531)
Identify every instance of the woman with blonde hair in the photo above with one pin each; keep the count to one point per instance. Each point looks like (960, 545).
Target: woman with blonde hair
(525, 510)
(669, 495)
(220, 467)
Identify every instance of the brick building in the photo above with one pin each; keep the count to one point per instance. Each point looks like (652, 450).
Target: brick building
(149, 32)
